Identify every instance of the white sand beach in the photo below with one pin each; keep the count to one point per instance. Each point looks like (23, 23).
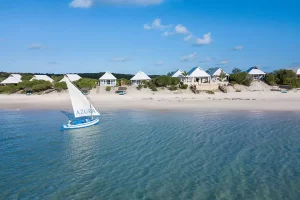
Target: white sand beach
(261, 99)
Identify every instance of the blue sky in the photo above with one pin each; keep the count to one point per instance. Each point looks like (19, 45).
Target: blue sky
(155, 36)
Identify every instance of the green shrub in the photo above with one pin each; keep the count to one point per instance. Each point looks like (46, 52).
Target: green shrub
(60, 86)
(184, 86)
(175, 81)
(108, 88)
(86, 83)
(57, 78)
(163, 81)
(40, 87)
(139, 87)
(145, 86)
(8, 89)
(173, 88)
(124, 81)
(153, 88)
(242, 78)
(26, 77)
(237, 90)
(210, 92)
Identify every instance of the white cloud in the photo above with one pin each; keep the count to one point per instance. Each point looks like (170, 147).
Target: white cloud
(81, 3)
(208, 59)
(187, 38)
(159, 63)
(205, 40)
(179, 29)
(36, 46)
(188, 57)
(238, 48)
(156, 24)
(89, 3)
(119, 59)
(223, 62)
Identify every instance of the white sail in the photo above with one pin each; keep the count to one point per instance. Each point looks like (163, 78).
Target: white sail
(82, 107)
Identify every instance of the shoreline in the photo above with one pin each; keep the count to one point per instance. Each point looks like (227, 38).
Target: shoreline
(247, 101)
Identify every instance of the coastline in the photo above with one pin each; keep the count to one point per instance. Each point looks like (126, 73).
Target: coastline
(162, 100)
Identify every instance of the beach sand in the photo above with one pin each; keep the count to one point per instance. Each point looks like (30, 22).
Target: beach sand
(161, 100)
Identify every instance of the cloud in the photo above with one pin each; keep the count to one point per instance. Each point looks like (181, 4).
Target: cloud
(156, 24)
(205, 40)
(119, 59)
(187, 38)
(53, 63)
(223, 62)
(188, 57)
(179, 29)
(81, 3)
(238, 48)
(90, 3)
(159, 63)
(208, 59)
(36, 46)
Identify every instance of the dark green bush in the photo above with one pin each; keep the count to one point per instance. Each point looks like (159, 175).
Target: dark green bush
(26, 77)
(270, 79)
(242, 78)
(57, 78)
(210, 92)
(60, 86)
(30, 84)
(139, 87)
(86, 83)
(41, 87)
(184, 86)
(153, 88)
(237, 90)
(108, 88)
(8, 89)
(163, 81)
(173, 88)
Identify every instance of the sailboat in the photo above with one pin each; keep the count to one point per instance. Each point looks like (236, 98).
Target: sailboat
(85, 114)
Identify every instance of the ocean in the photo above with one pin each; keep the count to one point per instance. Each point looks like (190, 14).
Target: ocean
(151, 155)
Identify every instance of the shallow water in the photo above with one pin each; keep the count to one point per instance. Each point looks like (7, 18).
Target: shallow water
(151, 155)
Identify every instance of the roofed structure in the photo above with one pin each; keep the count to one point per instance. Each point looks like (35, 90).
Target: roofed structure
(256, 73)
(139, 77)
(215, 74)
(198, 75)
(12, 79)
(42, 77)
(108, 79)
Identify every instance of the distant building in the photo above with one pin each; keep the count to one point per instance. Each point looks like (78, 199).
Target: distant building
(72, 77)
(179, 74)
(198, 75)
(108, 80)
(215, 74)
(12, 79)
(256, 73)
(42, 77)
(298, 73)
(139, 78)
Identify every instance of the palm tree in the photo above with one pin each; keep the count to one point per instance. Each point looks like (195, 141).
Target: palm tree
(185, 74)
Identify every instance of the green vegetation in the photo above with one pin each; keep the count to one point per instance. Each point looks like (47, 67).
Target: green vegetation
(173, 88)
(184, 86)
(60, 86)
(236, 70)
(164, 81)
(9, 89)
(26, 77)
(57, 78)
(210, 92)
(242, 78)
(108, 88)
(283, 77)
(86, 83)
(222, 76)
(139, 87)
(237, 90)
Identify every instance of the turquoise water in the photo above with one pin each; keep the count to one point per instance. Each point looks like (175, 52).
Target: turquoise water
(151, 155)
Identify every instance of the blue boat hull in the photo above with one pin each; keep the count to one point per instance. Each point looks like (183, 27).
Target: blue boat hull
(80, 125)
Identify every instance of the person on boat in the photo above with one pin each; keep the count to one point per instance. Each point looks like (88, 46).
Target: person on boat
(69, 123)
